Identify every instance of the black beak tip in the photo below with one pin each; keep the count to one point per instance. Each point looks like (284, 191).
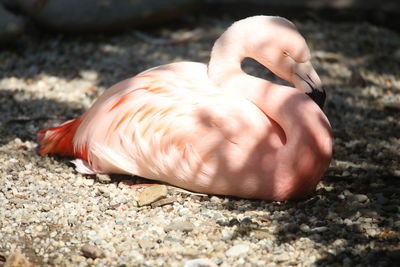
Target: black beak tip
(318, 96)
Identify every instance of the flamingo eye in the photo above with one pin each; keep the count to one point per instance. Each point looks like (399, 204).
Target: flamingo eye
(286, 53)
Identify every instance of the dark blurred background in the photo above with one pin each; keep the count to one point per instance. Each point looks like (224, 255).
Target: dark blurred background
(16, 16)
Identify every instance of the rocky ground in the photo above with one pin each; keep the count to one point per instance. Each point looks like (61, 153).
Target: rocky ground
(52, 216)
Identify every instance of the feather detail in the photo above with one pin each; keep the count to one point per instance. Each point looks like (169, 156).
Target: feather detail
(82, 166)
(59, 140)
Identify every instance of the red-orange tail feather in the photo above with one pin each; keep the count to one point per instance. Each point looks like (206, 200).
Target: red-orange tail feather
(59, 140)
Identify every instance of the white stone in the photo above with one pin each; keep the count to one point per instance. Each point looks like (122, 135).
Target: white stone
(237, 250)
(200, 263)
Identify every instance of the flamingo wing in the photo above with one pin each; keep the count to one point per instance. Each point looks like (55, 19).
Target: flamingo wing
(167, 122)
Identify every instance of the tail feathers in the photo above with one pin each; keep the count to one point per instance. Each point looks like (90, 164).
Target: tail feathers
(59, 140)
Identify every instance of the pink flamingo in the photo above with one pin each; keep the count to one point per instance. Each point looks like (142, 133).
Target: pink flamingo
(212, 129)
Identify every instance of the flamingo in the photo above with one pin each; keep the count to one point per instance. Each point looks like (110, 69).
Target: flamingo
(212, 128)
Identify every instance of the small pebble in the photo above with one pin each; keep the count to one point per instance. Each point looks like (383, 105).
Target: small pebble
(305, 228)
(103, 178)
(179, 225)
(320, 229)
(227, 234)
(346, 173)
(340, 242)
(237, 250)
(151, 194)
(163, 202)
(199, 263)
(18, 259)
(356, 79)
(215, 199)
(292, 227)
(360, 197)
(233, 222)
(146, 244)
(91, 251)
(261, 234)
(246, 221)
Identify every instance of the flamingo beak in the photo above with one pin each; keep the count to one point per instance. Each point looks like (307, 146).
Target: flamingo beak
(317, 94)
(307, 80)
(313, 88)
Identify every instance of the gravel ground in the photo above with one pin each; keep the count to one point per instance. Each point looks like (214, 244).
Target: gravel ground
(52, 216)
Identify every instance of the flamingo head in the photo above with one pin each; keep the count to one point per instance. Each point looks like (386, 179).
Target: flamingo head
(284, 51)
(274, 42)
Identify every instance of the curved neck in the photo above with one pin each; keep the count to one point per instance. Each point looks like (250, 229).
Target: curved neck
(242, 40)
(225, 61)
(301, 120)
(224, 70)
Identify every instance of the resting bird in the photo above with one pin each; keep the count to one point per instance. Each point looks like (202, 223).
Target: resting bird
(212, 128)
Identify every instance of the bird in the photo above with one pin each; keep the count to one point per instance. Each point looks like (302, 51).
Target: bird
(212, 128)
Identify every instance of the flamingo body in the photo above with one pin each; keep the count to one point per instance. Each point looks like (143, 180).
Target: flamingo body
(176, 123)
